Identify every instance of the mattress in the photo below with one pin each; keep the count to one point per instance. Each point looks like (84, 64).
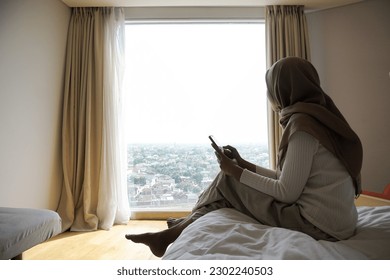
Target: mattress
(229, 234)
(21, 229)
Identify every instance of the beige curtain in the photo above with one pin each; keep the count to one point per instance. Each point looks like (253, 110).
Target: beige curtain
(286, 35)
(86, 124)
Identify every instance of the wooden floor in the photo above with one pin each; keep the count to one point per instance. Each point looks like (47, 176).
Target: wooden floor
(97, 245)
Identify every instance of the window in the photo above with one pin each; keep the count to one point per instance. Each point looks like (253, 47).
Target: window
(185, 81)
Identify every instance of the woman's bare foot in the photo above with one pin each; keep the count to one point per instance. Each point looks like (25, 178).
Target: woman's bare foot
(158, 242)
(155, 241)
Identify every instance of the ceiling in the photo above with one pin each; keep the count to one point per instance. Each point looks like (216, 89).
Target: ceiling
(309, 4)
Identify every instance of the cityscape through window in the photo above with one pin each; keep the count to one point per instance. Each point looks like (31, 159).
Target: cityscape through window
(184, 82)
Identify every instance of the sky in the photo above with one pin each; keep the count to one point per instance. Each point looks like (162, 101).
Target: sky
(187, 81)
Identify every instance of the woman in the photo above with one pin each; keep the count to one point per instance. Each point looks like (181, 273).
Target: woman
(318, 174)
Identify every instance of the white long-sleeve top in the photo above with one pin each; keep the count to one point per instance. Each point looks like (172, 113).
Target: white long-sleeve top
(314, 179)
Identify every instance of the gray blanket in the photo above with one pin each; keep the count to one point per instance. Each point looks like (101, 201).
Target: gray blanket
(21, 229)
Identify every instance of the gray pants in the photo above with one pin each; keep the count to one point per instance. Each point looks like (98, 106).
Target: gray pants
(226, 192)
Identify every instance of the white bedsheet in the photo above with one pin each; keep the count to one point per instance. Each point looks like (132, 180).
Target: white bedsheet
(229, 234)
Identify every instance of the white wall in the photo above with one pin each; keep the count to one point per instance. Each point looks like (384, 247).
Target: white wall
(32, 55)
(350, 48)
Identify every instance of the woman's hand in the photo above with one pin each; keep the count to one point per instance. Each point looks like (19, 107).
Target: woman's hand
(232, 153)
(229, 165)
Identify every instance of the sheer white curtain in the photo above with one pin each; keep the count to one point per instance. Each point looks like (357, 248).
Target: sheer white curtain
(113, 205)
(94, 192)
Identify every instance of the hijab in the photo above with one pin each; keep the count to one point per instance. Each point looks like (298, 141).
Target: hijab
(294, 91)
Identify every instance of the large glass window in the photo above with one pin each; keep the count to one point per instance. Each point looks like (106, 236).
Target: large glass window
(185, 81)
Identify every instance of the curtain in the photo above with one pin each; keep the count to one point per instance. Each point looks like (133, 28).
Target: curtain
(94, 191)
(286, 35)
(113, 206)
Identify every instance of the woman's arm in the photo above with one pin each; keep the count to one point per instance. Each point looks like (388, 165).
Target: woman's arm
(232, 153)
(246, 165)
(266, 172)
(233, 165)
(295, 172)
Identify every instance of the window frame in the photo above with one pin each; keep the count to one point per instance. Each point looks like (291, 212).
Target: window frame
(166, 15)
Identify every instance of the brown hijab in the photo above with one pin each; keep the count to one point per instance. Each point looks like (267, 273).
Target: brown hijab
(294, 91)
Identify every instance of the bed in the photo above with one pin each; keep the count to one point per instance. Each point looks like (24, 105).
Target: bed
(22, 228)
(229, 234)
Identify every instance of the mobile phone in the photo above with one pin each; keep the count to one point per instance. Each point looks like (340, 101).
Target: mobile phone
(212, 139)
